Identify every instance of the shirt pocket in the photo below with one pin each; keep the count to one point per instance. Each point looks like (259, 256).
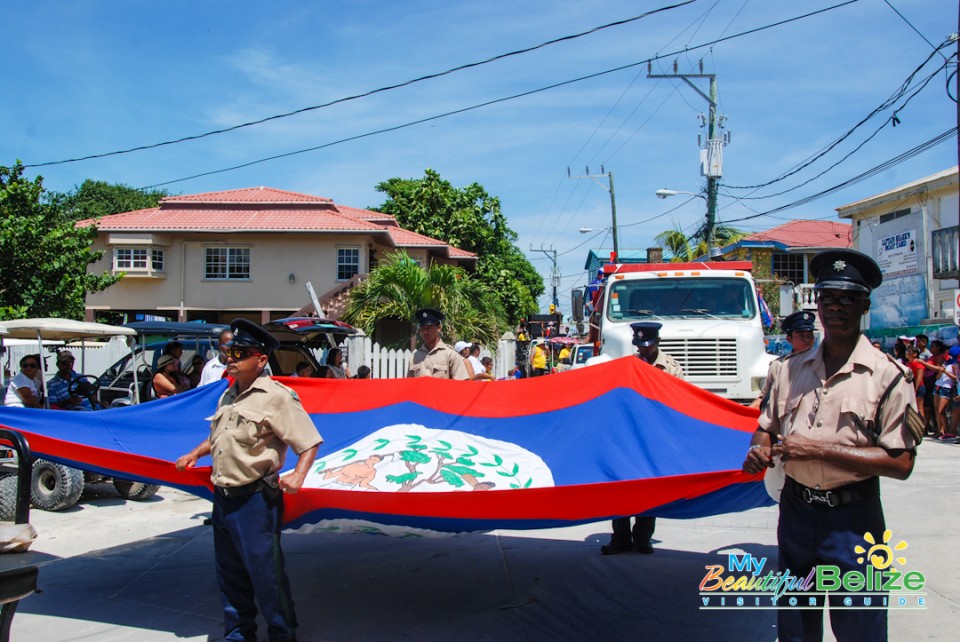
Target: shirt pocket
(441, 372)
(856, 422)
(250, 427)
(787, 413)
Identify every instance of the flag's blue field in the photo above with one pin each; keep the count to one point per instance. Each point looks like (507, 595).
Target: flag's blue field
(616, 439)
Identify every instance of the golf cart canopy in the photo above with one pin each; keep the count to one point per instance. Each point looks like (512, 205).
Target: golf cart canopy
(174, 329)
(62, 329)
(311, 331)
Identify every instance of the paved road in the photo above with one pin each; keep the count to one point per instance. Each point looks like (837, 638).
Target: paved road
(115, 570)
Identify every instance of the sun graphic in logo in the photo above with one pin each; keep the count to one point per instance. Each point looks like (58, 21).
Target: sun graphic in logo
(880, 555)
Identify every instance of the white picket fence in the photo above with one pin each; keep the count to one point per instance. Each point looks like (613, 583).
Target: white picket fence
(393, 364)
(94, 359)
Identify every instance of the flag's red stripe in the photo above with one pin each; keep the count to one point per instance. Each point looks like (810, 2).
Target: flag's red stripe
(527, 396)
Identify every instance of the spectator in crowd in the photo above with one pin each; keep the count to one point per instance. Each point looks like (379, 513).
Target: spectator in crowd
(58, 387)
(23, 391)
(462, 348)
(876, 344)
(922, 341)
(336, 366)
(196, 370)
(167, 381)
(216, 368)
(488, 367)
(479, 370)
(363, 372)
(945, 391)
(938, 355)
(175, 350)
(303, 369)
(539, 359)
(917, 368)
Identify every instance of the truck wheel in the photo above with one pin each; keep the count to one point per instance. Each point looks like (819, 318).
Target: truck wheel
(137, 491)
(8, 497)
(55, 486)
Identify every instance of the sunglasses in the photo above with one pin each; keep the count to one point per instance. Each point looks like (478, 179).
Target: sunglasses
(30, 365)
(239, 355)
(843, 299)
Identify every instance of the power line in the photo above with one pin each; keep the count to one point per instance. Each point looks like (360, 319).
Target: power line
(910, 24)
(896, 160)
(886, 104)
(497, 100)
(372, 92)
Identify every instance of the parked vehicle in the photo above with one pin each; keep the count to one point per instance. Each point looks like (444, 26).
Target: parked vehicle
(56, 486)
(711, 321)
(305, 339)
(129, 380)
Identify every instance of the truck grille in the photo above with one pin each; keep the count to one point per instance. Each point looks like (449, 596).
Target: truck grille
(703, 357)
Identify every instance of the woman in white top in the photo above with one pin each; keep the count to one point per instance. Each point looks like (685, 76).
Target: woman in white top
(24, 390)
(335, 364)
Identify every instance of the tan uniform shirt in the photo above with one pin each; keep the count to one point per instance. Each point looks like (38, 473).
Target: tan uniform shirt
(668, 364)
(441, 362)
(250, 432)
(838, 410)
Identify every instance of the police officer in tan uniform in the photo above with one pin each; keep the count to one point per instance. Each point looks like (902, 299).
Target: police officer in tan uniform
(646, 336)
(799, 330)
(435, 358)
(256, 420)
(840, 417)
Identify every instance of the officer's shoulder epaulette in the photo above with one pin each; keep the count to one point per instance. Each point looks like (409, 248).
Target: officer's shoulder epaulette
(287, 389)
(790, 355)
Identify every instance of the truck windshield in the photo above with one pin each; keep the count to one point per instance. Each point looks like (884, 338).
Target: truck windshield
(650, 299)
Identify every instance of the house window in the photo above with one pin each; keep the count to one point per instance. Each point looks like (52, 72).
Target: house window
(157, 258)
(227, 263)
(788, 267)
(130, 258)
(348, 263)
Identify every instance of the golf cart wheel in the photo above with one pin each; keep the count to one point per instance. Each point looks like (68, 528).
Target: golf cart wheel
(8, 496)
(137, 491)
(55, 486)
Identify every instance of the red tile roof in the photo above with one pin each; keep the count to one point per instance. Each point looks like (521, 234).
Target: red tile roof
(265, 209)
(801, 233)
(262, 195)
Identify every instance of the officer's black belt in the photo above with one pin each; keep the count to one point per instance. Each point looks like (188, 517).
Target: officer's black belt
(842, 496)
(241, 491)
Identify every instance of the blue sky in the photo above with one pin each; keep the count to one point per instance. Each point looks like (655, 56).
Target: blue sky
(83, 78)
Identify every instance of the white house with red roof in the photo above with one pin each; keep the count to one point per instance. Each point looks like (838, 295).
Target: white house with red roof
(246, 252)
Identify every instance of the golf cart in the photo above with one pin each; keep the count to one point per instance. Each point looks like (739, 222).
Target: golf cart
(56, 486)
(129, 380)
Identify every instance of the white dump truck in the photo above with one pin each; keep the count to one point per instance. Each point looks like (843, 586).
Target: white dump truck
(710, 315)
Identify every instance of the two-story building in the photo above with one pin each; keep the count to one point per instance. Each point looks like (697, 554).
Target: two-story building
(246, 253)
(912, 232)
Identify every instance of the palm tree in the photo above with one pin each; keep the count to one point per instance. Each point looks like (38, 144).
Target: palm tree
(399, 287)
(682, 248)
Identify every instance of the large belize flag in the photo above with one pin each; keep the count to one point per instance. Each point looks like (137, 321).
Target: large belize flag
(410, 456)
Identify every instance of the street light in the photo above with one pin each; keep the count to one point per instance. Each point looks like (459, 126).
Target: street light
(666, 193)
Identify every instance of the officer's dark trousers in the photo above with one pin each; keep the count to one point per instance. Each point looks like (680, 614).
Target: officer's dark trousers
(246, 543)
(641, 532)
(813, 534)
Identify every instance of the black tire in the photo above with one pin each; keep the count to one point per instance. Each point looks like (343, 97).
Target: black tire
(55, 486)
(8, 496)
(137, 491)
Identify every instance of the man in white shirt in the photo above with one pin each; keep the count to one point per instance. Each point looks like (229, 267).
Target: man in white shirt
(214, 369)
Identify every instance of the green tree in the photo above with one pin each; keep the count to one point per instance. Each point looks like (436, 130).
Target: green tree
(43, 255)
(470, 219)
(399, 287)
(95, 199)
(681, 248)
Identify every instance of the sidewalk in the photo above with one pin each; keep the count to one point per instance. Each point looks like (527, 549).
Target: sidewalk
(115, 570)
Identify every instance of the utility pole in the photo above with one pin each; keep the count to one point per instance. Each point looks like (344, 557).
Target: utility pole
(554, 273)
(613, 202)
(711, 155)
